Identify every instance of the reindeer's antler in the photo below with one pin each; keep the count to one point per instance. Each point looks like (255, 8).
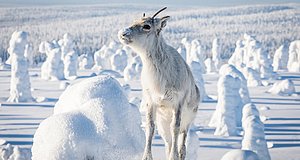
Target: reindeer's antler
(158, 12)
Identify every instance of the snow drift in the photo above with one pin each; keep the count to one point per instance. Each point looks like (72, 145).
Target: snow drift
(92, 120)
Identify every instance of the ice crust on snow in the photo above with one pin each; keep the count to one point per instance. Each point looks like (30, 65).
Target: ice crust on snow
(254, 136)
(92, 119)
(240, 155)
(20, 82)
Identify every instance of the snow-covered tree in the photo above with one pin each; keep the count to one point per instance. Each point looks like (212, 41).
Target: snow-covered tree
(69, 56)
(216, 53)
(85, 61)
(256, 57)
(20, 90)
(119, 60)
(133, 69)
(53, 67)
(293, 64)
(224, 117)
(280, 59)
(210, 66)
(237, 58)
(254, 136)
(252, 76)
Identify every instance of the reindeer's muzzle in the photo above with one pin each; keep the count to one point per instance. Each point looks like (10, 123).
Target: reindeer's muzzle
(124, 36)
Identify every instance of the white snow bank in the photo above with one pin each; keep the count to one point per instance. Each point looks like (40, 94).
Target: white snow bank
(254, 136)
(10, 152)
(284, 87)
(240, 155)
(92, 120)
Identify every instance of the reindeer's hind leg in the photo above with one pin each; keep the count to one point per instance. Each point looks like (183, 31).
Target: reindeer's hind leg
(149, 128)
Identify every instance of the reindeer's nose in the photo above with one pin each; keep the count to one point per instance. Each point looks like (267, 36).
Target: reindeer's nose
(126, 32)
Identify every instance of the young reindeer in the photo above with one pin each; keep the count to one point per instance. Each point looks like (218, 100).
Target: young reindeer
(169, 91)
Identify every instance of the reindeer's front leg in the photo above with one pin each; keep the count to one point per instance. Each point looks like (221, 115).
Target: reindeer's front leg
(175, 127)
(149, 129)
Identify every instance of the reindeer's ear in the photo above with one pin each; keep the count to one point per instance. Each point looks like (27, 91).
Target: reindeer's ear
(164, 21)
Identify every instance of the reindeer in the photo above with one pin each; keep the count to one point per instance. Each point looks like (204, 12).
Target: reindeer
(169, 91)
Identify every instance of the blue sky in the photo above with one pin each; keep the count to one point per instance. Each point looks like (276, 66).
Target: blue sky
(156, 2)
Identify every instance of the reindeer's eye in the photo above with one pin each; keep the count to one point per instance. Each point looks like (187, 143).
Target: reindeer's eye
(146, 27)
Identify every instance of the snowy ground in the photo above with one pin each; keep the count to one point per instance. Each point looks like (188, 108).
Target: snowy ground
(18, 121)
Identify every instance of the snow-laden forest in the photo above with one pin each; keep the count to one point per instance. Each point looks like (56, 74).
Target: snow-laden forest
(70, 90)
(94, 26)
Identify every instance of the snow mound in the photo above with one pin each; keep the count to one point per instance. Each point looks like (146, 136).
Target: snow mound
(240, 155)
(92, 120)
(284, 87)
(10, 152)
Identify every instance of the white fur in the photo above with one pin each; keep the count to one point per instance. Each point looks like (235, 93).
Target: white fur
(169, 91)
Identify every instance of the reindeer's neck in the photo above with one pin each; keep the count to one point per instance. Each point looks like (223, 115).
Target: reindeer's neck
(155, 53)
